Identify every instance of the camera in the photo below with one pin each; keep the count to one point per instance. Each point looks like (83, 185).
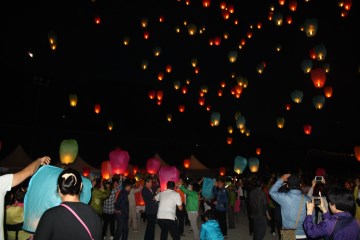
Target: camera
(317, 200)
(319, 178)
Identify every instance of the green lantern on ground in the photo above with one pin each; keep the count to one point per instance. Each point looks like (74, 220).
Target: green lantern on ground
(68, 151)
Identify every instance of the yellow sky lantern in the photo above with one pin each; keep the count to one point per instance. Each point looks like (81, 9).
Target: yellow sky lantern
(280, 122)
(192, 29)
(73, 99)
(169, 117)
(230, 129)
(144, 22)
(126, 41)
(110, 126)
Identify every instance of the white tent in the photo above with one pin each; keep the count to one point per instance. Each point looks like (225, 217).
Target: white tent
(18, 159)
(196, 164)
(162, 162)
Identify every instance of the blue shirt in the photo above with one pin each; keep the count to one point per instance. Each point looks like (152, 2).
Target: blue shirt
(289, 203)
(347, 226)
(210, 230)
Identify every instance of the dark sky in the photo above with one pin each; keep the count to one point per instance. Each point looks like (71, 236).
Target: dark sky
(91, 60)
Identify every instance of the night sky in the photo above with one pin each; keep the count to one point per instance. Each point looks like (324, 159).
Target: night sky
(103, 63)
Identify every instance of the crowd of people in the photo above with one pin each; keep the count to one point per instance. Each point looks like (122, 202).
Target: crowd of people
(310, 208)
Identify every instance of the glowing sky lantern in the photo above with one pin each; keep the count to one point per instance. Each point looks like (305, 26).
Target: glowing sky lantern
(184, 89)
(288, 19)
(192, 29)
(320, 51)
(328, 91)
(177, 85)
(260, 68)
(201, 101)
(232, 56)
(240, 164)
(278, 18)
(222, 171)
(310, 26)
(281, 2)
(230, 129)
(318, 77)
(153, 165)
(357, 152)
(157, 51)
(97, 108)
(288, 106)
(326, 67)
(307, 129)
(217, 40)
(169, 117)
(206, 3)
(254, 164)
(229, 140)
(168, 68)
(160, 76)
(144, 64)
(258, 151)
(97, 20)
(106, 171)
(280, 122)
(318, 101)
(225, 14)
(152, 94)
(293, 5)
(146, 35)
(220, 92)
(126, 41)
(240, 122)
(168, 174)
(194, 62)
(144, 22)
(278, 48)
(159, 95)
(73, 99)
(215, 119)
(297, 96)
(52, 40)
(187, 163)
(181, 108)
(110, 126)
(119, 160)
(68, 151)
(306, 65)
(86, 172)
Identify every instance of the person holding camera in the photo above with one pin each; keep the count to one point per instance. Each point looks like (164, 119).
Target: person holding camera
(341, 224)
(316, 192)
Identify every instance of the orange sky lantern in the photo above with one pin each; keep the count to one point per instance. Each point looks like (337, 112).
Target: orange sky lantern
(168, 68)
(258, 151)
(135, 169)
(318, 76)
(293, 5)
(184, 89)
(222, 171)
(97, 108)
(231, 9)
(208, 108)
(181, 108)
(206, 3)
(229, 140)
(222, 5)
(106, 170)
(225, 14)
(201, 101)
(281, 2)
(328, 91)
(169, 117)
(73, 99)
(86, 172)
(280, 121)
(159, 95)
(220, 92)
(288, 19)
(217, 41)
(97, 20)
(152, 94)
(307, 129)
(186, 163)
(357, 152)
(222, 84)
(161, 19)
(110, 126)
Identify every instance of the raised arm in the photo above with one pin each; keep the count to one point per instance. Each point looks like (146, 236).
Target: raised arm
(29, 170)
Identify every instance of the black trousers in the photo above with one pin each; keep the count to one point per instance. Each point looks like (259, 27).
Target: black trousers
(259, 228)
(180, 215)
(150, 227)
(122, 227)
(221, 217)
(108, 219)
(168, 225)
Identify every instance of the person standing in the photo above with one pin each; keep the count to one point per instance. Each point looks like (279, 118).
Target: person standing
(109, 209)
(133, 219)
(151, 208)
(99, 194)
(221, 201)
(168, 200)
(292, 203)
(259, 209)
(231, 207)
(72, 219)
(122, 212)
(181, 215)
(192, 205)
(9, 181)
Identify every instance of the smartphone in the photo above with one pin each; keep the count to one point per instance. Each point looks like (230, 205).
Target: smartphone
(319, 178)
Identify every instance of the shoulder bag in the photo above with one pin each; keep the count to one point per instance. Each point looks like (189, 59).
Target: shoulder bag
(290, 234)
(78, 218)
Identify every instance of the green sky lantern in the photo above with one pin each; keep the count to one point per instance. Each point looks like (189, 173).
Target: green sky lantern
(240, 164)
(68, 151)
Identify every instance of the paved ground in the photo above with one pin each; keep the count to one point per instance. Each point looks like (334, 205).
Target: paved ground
(241, 232)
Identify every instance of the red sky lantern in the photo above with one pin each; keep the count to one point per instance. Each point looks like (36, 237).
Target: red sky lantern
(127, 172)
(161, 19)
(258, 151)
(97, 108)
(106, 171)
(160, 76)
(347, 4)
(119, 160)
(201, 101)
(196, 70)
(318, 76)
(220, 92)
(225, 14)
(293, 5)
(223, 84)
(222, 171)
(320, 172)
(86, 172)
(184, 89)
(307, 129)
(229, 140)
(288, 19)
(328, 91)
(231, 9)
(187, 163)
(206, 3)
(168, 68)
(222, 5)
(152, 94)
(281, 2)
(357, 152)
(97, 20)
(135, 169)
(159, 95)
(312, 54)
(146, 35)
(181, 108)
(208, 108)
(217, 41)
(153, 165)
(287, 106)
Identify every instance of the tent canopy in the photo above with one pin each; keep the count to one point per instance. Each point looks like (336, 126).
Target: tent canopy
(79, 164)
(18, 159)
(196, 164)
(162, 162)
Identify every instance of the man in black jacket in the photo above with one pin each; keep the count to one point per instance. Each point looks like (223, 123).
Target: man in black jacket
(151, 208)
(122, 212)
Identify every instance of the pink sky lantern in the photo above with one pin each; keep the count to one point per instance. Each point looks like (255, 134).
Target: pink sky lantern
(119, 160)
(106, 170)
(153, 165)
(168, 174)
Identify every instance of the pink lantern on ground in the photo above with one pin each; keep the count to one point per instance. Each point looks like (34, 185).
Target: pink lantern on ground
(119, 160)
(153, 165)
(106, 170)
(168, 174)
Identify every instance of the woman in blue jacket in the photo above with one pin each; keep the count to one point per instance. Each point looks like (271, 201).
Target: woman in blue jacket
(210, 229)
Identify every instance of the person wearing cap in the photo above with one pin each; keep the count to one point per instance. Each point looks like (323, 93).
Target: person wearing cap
(291, 202)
